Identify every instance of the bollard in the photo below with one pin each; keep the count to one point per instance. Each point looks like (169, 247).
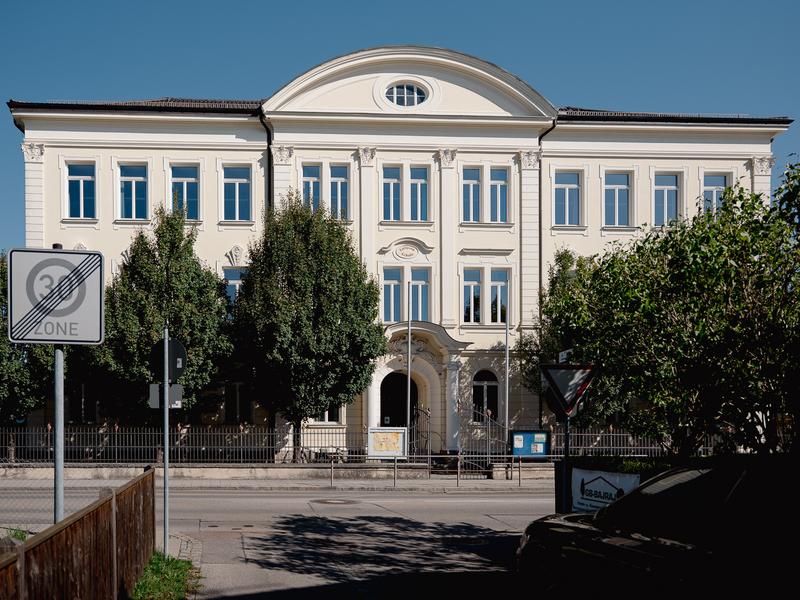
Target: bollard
(520, 471)
(395, 471)
(331, 471)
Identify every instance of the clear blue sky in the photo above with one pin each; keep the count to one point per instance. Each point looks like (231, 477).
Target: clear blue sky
(697, 56)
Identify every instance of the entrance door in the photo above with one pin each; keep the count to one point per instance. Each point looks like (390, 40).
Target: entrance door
(393, 399)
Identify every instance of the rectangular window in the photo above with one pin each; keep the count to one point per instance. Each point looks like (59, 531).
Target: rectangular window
(392, 280)
(328, 416)
(81, 186)
(339, 193)
(233, 276)
(617, 203)
(419, 194)
(236, 186)
(472, 296)
(567, 205)
(311, 185)
(665, 208)
(185, 185)
(391, 193)
(133, 191)
(499, 294)
(499, 196)
(472, 195)
(713, 188)
(419, 294)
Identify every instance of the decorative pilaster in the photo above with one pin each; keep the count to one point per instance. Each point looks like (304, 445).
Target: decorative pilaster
(34, 194)
(372, 400)
(530, 162)
(451, 431)
(282, 170)
(450, 219)
(369, 218)
(762, 175)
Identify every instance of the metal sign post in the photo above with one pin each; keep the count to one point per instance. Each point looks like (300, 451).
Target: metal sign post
(56, 297)
(569, 383)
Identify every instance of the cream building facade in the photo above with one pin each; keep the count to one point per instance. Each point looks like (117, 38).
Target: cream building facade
(457, 179)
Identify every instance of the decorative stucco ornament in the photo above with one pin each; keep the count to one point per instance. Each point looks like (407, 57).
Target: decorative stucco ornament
(529, 159)
(282, 155)
(367, 156)
(33, 152)
(762, 165)
(447, 156)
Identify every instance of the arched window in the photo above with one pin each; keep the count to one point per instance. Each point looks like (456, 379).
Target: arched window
(484, 396)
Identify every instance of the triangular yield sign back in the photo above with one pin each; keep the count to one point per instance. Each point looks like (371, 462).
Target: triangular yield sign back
(569, 382)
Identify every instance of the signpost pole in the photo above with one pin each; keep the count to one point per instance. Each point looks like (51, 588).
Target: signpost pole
(58, 466)
(166, 441)
(566, 467)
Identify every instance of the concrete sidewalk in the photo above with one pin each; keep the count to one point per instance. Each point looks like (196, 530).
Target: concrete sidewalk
(437, 483)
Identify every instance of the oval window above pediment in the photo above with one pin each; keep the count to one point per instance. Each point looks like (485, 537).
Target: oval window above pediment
(406, 94)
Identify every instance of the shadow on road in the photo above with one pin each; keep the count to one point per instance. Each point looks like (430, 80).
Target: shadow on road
(383, 557)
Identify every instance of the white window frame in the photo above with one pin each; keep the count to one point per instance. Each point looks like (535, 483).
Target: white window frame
(583, 172)
(474, 218)
(238, 223)
(63, 165)
(498, 185)
(200, 163)
(406, 270)
(731, 176)
(633, 199)
(683, 178)
(412, 183)
(116, 168)
(392, 218)
(337, 214)
(487, 263)
(498, 285)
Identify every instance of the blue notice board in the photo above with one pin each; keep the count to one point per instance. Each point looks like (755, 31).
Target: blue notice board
(531, 443)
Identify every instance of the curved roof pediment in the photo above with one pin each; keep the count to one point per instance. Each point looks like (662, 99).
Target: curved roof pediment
(454, 84)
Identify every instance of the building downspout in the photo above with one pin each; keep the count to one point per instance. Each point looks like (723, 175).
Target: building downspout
(541, 233)
(270, 168)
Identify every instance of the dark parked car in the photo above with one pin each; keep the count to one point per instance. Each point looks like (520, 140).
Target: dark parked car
(718, 527)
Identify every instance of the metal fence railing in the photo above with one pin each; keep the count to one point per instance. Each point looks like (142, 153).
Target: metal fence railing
(318, 443)
(614, 441)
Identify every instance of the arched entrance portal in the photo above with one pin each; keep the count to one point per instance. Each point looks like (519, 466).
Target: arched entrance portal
(394, 392)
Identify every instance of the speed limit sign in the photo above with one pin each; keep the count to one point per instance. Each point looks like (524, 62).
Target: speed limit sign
(55, 296)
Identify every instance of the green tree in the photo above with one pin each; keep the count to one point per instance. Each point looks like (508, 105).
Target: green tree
(161, 282)
(26, 370)
(607, 397)
(306, 315)
(700, 321)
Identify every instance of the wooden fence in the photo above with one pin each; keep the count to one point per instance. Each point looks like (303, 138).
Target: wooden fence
(97, 553)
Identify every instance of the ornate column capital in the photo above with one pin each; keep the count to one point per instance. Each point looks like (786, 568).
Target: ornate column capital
(282, 155)
(529, 159)
(762, 165)
(366, 156)
(447, 156)
(33, 152)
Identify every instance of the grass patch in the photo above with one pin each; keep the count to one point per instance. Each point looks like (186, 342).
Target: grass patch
(19, 534)
(166, 578)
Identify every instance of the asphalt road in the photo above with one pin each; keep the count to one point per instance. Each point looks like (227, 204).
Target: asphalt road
(370, 545)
